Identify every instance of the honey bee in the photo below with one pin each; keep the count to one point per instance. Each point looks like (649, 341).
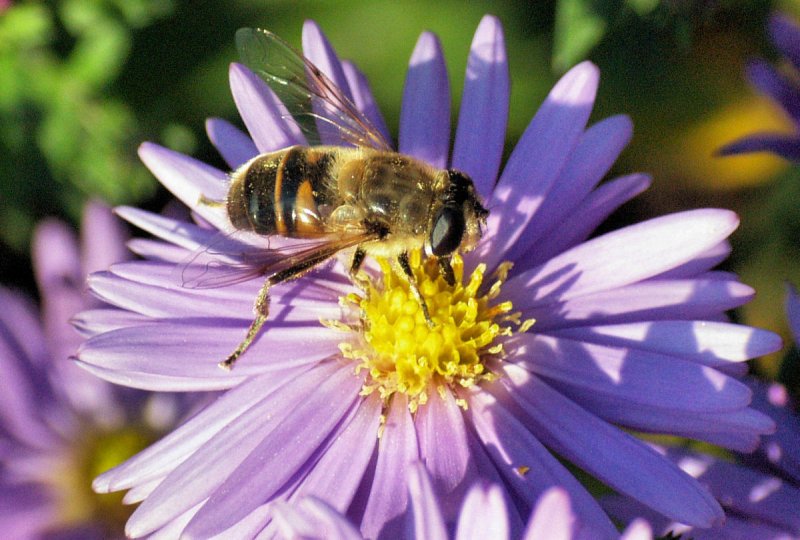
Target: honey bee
(359, 195)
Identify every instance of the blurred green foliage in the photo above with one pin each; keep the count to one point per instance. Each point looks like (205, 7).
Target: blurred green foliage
(83, 82)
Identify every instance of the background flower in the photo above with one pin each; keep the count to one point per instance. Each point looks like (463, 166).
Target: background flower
(482, 515)
(61, 426)
(625, 322)
(782, 87)
(760, 490)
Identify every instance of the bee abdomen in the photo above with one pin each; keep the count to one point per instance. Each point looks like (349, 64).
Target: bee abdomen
(280, 193)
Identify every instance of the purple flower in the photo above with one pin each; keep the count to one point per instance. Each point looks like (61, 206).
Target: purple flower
(61, 426)
(345, 388)
(783, 88)
(483, 514)
(760, 491)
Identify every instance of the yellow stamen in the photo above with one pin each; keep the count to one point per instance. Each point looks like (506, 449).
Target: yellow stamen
(401, 353)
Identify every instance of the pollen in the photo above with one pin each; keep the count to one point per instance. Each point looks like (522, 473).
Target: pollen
(400, 352)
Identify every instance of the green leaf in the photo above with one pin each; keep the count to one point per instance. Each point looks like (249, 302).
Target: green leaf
(579, 26)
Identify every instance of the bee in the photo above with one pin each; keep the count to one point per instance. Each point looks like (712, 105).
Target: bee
(360, 194)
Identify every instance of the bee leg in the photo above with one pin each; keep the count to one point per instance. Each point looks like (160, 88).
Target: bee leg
(261, 309)
(402, 259)
(205, 201)
(358, 259)
(446, 270)
(261, 306)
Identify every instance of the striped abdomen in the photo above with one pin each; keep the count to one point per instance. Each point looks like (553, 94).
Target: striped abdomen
(280, 193)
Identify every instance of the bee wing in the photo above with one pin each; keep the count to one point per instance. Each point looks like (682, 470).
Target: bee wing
(316, 103)
(226, 261)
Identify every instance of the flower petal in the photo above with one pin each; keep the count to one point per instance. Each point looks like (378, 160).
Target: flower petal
(553, 517)
(483, 117)
(363, 99)
(204, 471)
(527, 467)
(388, 497)
(785, 35)
(614, 457)
(624, 256)
(597, 150)
(782, 449)
(793, 312)
(426, 516)
(708, 343)
(312, 518)
(156, 461)
(483, 514)
(425, 114)
(189, 180)
(700, 266)
(235, 147)
(629, 377)
(191, 349)
(784, 145)
(338, 473)
(318, 49)
(744, 491)
(269, 123)
(443, 448)
(644, 301)
(593, 210)
(279, 455)
(775, 85)
(537, 160)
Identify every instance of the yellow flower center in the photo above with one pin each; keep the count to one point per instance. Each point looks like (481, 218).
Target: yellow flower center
(402, 353)
(72, 478)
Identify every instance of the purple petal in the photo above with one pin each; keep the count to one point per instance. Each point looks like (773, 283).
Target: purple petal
(483, 514)
(700, 266)
(235, 147)
(793, 312)
(483, 117)
(181, 233)
(624, 256)
(775, 85)
(397, 450)
(336, 476)
(614, 457)
(592, 158)
(784, 145)
(201, 474)
(553, 517)
(443, 448)
(26, 392)
(91, 322)
(103, 238)
(156, 250)
(59, 275)
(512, 447)
(639, 529)
(279, 455)
(708, 343)
(593, 210)
(744, 491)
(627, 376)
(363, 99)
(269, 123)
(644, 301)
(189, 180)
(425, 113)
(538, 158)
(312, 518)
(318, 49)
(191, 349)
(785, 35)
(782, 449)
(155, 462)
(425, 513)
(738, 429)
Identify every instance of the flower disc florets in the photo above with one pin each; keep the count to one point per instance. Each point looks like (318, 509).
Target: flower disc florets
(402, 353)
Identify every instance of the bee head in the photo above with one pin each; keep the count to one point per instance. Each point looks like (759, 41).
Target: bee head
(459, 220)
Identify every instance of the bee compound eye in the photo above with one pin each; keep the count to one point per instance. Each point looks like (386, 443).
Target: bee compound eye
(448, 230)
